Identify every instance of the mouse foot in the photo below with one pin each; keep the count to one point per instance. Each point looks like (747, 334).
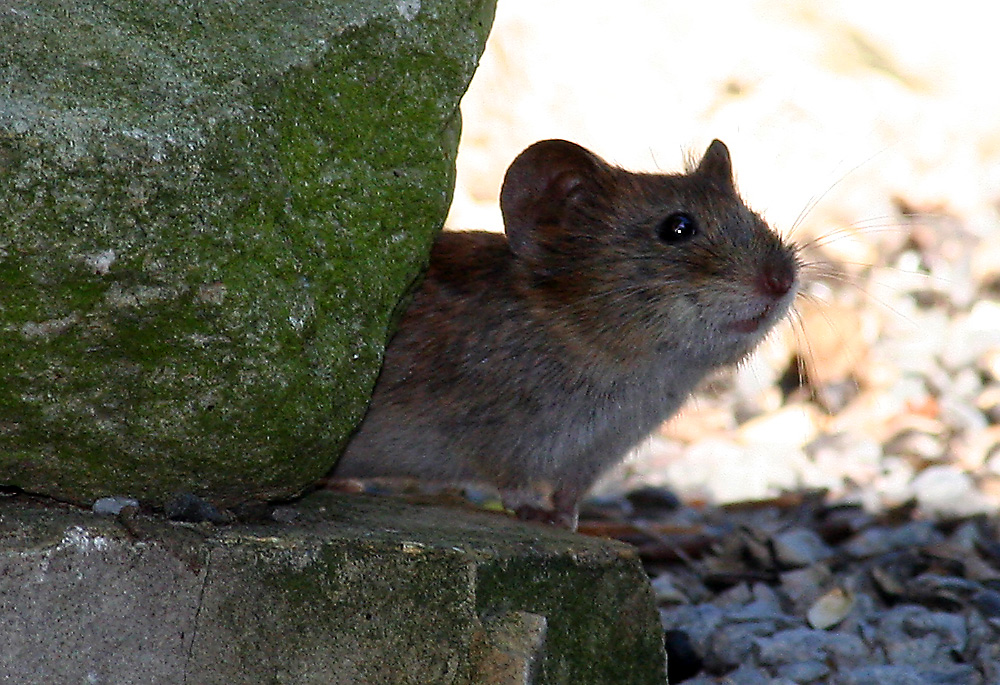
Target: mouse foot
(560, 519)
(556, 509)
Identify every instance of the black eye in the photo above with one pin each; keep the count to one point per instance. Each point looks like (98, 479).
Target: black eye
(677, 228)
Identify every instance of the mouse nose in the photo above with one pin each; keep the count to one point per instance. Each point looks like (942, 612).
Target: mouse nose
(777, 277)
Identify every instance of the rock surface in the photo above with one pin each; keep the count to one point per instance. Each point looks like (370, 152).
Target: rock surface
(356, 591)
(209, 213)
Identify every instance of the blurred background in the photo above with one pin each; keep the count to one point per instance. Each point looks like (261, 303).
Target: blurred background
(865, 128)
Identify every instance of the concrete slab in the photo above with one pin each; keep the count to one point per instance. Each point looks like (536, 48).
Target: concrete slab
(356, 590)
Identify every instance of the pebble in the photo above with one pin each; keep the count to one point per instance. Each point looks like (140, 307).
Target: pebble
(666, 592)
(804, 671)
(806, 644)
(875, 541)
(959, 674)
(972, 335)
(800, 547)
(112, 506)
(791, 427)
(805, 585)
(947, 490)
(831, 608)
(185, 506)
(892, 615)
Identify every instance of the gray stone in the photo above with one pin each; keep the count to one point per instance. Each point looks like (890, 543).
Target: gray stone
(210, 212)
(805, 644)
(734, 644)
(750, 675)
(915, 635)
(112, 506)
(805, 585)
(951, 628)
(360, 591)
(804, 672)
(880, 540)
(914, 650)
(957, 674)
(947, 489)
(699, 622)
(800, 547)
(972, 334)
(666, 591)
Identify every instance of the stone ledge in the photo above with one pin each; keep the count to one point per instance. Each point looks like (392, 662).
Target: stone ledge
(357, 590)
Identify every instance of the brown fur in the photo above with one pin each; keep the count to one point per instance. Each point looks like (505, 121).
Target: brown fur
(536, 361)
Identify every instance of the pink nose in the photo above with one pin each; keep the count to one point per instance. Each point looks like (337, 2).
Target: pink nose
(776, 278)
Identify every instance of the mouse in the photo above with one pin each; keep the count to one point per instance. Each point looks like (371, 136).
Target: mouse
(537, 359)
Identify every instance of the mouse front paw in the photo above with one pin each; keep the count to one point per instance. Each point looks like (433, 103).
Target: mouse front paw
(557, 508)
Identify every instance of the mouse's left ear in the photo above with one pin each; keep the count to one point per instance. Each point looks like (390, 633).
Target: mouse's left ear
(716, 164)
(541, 187)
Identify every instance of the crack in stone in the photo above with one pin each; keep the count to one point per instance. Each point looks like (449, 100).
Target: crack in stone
(197, 615)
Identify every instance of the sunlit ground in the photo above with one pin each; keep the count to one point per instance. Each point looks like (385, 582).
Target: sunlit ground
(870, 125)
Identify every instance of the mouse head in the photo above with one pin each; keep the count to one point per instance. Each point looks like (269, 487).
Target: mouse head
(641, 258)
(554, 184)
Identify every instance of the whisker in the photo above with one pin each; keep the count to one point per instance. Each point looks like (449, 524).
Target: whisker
(815, 200)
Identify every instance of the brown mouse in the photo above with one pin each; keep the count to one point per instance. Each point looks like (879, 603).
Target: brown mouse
(536, 361)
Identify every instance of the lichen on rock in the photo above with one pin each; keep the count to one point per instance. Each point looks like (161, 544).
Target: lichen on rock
(208, 214)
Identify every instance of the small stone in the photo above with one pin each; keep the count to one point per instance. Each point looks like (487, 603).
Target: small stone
(727, 472)
(700, 622)
(916, 651)
(937, 591)
(190, 508)
(805, 672)
(751, 675)
(972, 335)
(975, 449)
(875, 541)
(914, 635)
(988, 401)
(800, 547)
(284, 514)
(793, 426)
(989, 363)
(606, 507)
(733, 644)
(112, 506)
(947, 490)
(831, 608)
(962, 415)
(950, 627)
(737, 595)
(987, 658)
(651, 500)
(804, 586)
(987, 602)
(893, 483)
(917, 444)
(666, 592)
(958, 674)
(804, 644)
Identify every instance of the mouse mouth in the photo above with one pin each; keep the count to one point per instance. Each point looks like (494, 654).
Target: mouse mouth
(753, 324)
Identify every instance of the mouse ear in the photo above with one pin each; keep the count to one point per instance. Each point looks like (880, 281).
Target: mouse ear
(539, 188)
(716, 165)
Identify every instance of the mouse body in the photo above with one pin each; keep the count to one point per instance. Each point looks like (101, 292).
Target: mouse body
(536, 360)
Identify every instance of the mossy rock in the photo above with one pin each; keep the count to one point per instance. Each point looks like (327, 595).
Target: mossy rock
(208, 213)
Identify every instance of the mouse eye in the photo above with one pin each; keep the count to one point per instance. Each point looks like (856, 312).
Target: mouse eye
(677, 228)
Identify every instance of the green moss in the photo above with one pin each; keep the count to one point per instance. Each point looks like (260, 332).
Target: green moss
(623, 648)
(413, 610)
(208, 219)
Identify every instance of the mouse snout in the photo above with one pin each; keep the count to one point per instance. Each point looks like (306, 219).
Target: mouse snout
(776, 277)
